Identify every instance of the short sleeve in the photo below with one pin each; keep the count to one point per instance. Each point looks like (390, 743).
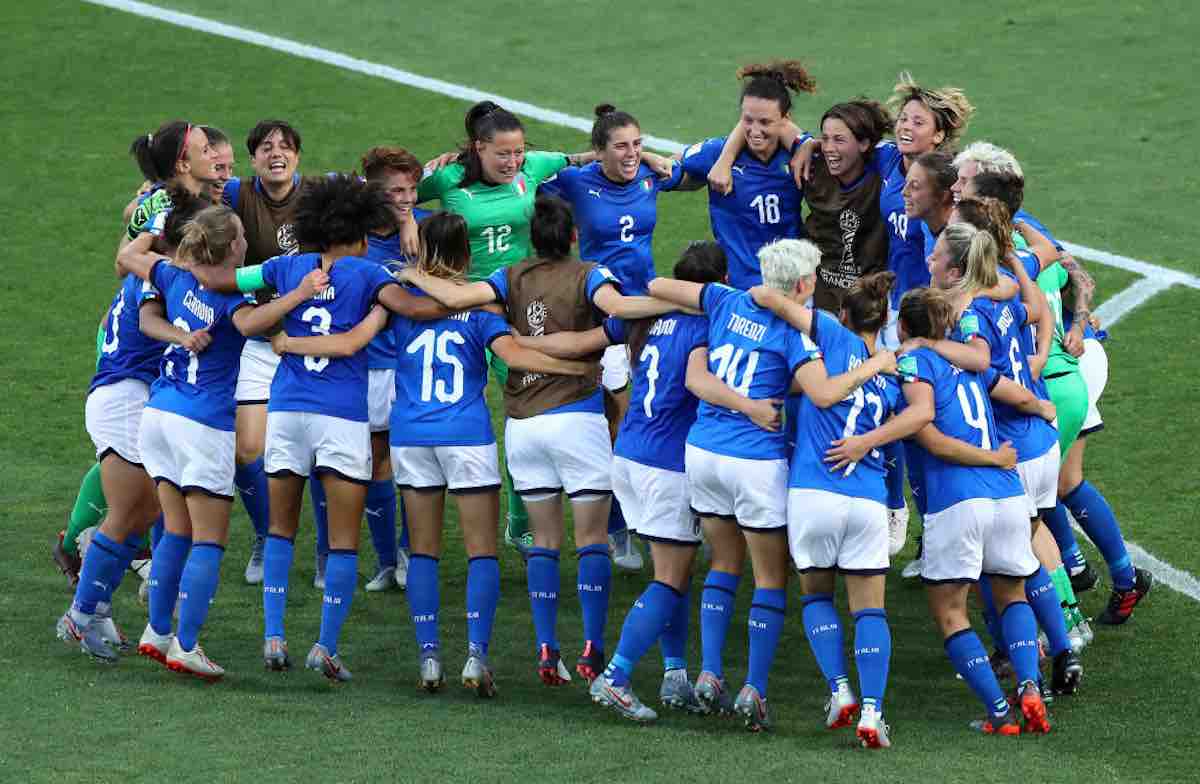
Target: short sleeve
(378, 276)
(232, 193)
(231, 303)
(672, 182)
(597, 277)
(435, 183)
(161, 275)
(699, 158)
(713, 294)
(273, 270)
(698, 334)
(540, 166)
(990, 377)
(147, 292)
(489, 326)
(968, 326)
(1033, 267)
(885, 157)
(561, 184)
(498, 280)
(801, 349)
(615, 330)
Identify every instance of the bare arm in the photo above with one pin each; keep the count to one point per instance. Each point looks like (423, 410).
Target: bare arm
(825, 391)
(152, 321)
(1010, 392)
(520, 358)
(952, 450)
(703, 384)
(138, 257)
(257, 319)
(614, 303)
(403, 303)
(1005, 289)
(918, 413)
(454, 295)
(343, 344)
(680, 292)
(567, 345)
(799, 316)
(974, 355)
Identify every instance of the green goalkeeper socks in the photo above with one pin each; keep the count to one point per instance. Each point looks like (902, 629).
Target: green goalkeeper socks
(90, 506)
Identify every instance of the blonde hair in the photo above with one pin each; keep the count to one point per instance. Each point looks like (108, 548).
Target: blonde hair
(784, 263)
(208, 236)
(949, 105)
(991, 215)
(990, 159)
(974, 253)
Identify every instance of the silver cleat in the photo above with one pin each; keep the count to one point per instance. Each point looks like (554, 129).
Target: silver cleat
(477, 676)
(621, 699)
(319, 660)
(431, 678)
(275, 654)
(677, 692)
(88, 638)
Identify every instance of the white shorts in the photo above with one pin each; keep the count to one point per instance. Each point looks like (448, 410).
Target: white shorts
(655, 502)
(255, 373)
(381, 393)
(831, 531)
(978, 536)
(299, 442)
(568, 452)
(187, 454)
(113, 417)
(751, 492)
(615, 367)
(461, 469)
(1039, 477)
(1094, 367)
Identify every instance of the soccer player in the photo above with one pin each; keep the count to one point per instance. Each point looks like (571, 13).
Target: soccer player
(222, 161)
(187, 433)
(737, 471)
(615, 203)
(762, 201)
(556, 436)
(178, 153)
(838, 522)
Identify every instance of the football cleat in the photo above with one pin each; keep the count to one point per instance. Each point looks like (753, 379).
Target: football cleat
(477, 676)
(109, 631)
(753, 708)
(841, 708)
(625, 554)
(897, 530)
(1005, 725)
(621, 699)
(319, 660)
(319, 574)
(1085, 579)
(84, 541)
(713, 694)
(1076, 639)
(88, 637)
(401, 573)
(677, 692)
(591, 662)
(872, 732)
(68, 563)
(912, 569)
(1121, 603)
(550, 667)
(254, 567)
(1033, 708)
(384, 579)
(155, 645)
(275, 654)
(431, 677)
(192, 662)
(1068, 672)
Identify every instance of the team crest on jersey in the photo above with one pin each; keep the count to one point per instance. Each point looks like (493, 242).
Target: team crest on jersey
(285, 238)
(906, 366)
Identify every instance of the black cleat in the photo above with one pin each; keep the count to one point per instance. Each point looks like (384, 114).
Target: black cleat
(1084, 580)
(1068, 672)
(1121, 603)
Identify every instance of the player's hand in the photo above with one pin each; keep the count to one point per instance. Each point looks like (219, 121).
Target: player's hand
(410, 238)
(765, 413)
(1036, 364)
(662, 167)
(1049, 411)
(802, 166)
(886, 361)
(720, 179)
(846, 452)
(279, 343)
(764, 296)
(145, 188)
(443, 160)
(197, 341)
(314, 282)
(405, 274)
(1073, 340)
(1006, 456)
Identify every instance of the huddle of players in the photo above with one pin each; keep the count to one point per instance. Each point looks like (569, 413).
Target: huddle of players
(701, 438)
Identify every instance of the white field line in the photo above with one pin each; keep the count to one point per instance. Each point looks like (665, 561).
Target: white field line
(1183, 581)
(1157, 278)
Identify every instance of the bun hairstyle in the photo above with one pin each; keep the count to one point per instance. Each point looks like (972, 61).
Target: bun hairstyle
(990, 215)
(949, 105)
(608, 119)
(340, 210)
(207, 237)
(866, 303)
(926, 313)
(445, 245)
(868, 120)
(157, 153)
(185, 205)
(1007, 187)
(702, 262)
(973, 253)
(483, 121)
(775, 81)
(552, 228)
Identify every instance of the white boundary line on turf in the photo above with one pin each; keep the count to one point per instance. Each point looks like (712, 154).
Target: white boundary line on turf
(1183, 581)
(1156, 278)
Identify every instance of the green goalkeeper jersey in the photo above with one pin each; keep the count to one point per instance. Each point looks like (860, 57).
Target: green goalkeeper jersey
(1051, 281)
(497, 216)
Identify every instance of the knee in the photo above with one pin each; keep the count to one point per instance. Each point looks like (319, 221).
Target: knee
(246, 453)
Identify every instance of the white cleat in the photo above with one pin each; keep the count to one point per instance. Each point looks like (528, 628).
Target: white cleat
(841, 708)
(108, 629)
(192, 662)
(87, 637)
(155, 645)
(318, 659)
(625, 554)
(402, 568)
(621, 699)
(477, 676)
(254, 567)
(872, 732)
(84, 541)
(897, 530)
(431, 678)
(319, 574)
(385, 579)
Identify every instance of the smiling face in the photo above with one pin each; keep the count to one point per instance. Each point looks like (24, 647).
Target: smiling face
(275, 159)
(843, 153)
(964, 186)
(916, 130)
(401, 189)
(920, 197)
(502, 157)
(622, 155)
(195, 164)
(222, 159)
(941, 274)
(762, 123)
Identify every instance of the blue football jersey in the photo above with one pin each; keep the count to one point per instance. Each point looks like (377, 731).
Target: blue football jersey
(198, 386)
(385, 249)
(661, 409)
(961, 410)
(866, 409)
(1024, 217)
(126, 352)
(441, 374)
(906, 241)
(756, 354)
(615, 220)
(334, 386)
(764, 206)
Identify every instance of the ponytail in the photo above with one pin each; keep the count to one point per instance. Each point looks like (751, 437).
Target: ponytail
(483, 121)
(775, 81)
(990, 215)
(157, 153)
(208, 237)
(974, 254)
